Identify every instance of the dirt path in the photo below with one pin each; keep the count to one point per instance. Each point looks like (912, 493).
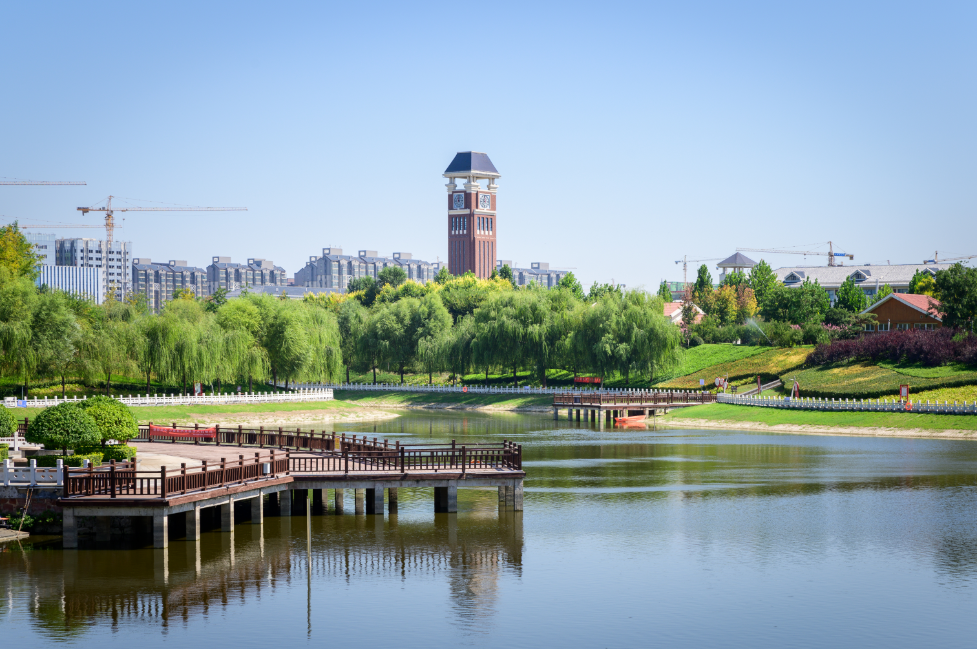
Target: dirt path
(823, 430)
(291, 418)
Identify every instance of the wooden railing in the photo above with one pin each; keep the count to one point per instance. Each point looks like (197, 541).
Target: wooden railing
(403, 459)
(631, 398)
(123, 479)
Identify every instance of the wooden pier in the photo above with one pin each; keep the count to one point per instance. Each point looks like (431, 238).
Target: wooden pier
(600, 406)
(282, 465)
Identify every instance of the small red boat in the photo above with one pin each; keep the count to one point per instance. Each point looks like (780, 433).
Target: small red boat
(624, 421)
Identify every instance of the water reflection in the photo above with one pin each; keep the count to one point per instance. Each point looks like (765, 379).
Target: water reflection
(68, 592)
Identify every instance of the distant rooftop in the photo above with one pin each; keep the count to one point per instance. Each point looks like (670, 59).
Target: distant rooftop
(739, 260)
(471, 163)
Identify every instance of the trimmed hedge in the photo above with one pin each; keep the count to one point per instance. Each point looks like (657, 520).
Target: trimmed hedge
(4, 451)
(929, 348)
(109, 452)
(63, 426)
(114, 419)
(8, 423)
(69, 460)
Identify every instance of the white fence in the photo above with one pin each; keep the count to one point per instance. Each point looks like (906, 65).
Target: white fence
(214, 398)
(32, 475)
(851, 405)
(476, 389)
(13, 442)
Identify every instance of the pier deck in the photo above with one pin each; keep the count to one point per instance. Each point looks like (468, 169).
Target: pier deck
(239, 465)
(601, 406)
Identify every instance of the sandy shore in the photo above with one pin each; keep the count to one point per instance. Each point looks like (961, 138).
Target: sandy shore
(822, 430)
(291, 418)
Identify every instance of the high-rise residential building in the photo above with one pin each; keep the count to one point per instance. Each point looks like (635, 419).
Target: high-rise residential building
(86, 282)
(333, 270)
(114, 260)
(538, 271)
(43, 245)
(224, 273)
(159, 281)
(472, 223)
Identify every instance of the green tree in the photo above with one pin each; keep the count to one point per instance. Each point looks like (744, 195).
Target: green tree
(664, 292)
(64, 426)
(358, 284)
(8, 423)
(922, 283)
(17, 300)
(242, 323)
(432, 329)
(956, 289)
(392, 276)
(703, 280)
(351, 318)
(443, 275)
(597, 291)
(762, 281)
(55, 336)
(216, 300)
(17, 254)
(851, 297)
(799, 305)
(506, 274)
(570, 283)
(734, 279)
(882, 293)
(113, 418)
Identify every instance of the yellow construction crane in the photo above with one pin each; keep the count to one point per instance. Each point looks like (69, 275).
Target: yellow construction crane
(936, 259)
(110, 220)
(831, 252)
(685, 261)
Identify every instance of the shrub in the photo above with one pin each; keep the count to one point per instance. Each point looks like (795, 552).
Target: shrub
(114, 419)
(109, 452)
(695, 341)
(63, 426)
(70, 460)
(930, 348)
(783, 334)
(4, 452)
(8, 423)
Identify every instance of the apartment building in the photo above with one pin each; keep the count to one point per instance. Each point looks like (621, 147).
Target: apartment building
(159, 281)
(226, 274)
(114, 261)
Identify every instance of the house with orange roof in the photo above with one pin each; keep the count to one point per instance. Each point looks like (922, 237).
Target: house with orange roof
(903, 311)
(673, 311)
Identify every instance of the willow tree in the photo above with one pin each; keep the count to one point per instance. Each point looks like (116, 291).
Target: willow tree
(195, 346)
(499, 334)
(432, 334)
(245, 357)
(459, 346)
(325, 345)
(286, 340)
(17, 298)
(351, 316)
(155, 347)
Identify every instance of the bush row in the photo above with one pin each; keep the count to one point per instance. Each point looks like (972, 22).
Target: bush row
(930, 348)
(70, 460)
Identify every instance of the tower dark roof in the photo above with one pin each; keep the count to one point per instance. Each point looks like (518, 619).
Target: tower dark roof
(472, 162)
(738, 260)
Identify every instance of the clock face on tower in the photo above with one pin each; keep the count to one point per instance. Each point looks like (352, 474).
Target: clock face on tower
(485, 201)
(459, 201)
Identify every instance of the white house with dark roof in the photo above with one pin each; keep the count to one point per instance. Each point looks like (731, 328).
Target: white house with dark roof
(869, 277)
(736, 263)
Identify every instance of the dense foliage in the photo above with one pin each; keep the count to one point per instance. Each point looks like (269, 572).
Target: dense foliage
(8, 423)
(114, 419)
(63, 426)
(930, 348)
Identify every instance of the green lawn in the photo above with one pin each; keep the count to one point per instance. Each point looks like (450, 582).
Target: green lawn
(772, 417)
(699, 358)
(768, 363)
(868, 381)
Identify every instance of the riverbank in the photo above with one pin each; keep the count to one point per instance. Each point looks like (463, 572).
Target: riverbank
(308, 413)
(448, 400)
(873, 424)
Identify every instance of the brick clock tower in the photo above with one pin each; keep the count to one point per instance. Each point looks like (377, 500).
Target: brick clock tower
(472, 223)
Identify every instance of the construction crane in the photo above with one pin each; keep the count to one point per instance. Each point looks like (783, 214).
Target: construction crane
(936, 259)
(42, 182)
(831, 252)
(65, 226)
(110, 220)
(685, 261)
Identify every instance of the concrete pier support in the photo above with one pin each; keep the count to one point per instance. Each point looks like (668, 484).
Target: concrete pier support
(69, 528)
(556, 413)
(161, 530)
(510, 497)
(446, 499)
(374, 501)
(339, 501)
(517, 497)
(285, 502)
(501, 496)
(103, 529)
(258, 510)
(359, 498)
(299, 496)
(193, 524)
(569, 414)
(392, 499)
(578, 414)
(227, 516)
(319, 500)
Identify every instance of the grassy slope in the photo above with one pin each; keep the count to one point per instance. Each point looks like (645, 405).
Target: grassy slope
(768, 363)
(446, 399)
(698, 358)
(770, 416)
(868, 381)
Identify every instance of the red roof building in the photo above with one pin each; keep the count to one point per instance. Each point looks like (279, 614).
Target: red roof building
(903, 311)
(673, 311)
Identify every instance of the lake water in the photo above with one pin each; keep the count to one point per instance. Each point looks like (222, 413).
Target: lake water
(628, 539)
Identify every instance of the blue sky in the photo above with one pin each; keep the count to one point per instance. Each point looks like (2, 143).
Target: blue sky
(627, 134)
